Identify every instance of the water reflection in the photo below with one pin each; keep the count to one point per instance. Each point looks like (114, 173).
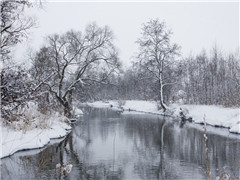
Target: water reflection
(109, 145)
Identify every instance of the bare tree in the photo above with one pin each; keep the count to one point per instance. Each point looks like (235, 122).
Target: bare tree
(157, 54)
(14, 24)
(77, 59)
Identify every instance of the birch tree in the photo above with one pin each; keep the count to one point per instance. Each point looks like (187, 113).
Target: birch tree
(156, 55)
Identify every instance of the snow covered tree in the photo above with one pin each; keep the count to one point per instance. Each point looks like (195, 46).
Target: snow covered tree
(157, 55)
(16, 89)
(16, 82)
(75, 58)
(14, 25)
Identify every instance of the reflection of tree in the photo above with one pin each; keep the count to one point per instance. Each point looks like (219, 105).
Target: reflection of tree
(75, 147)
(150, 162)
(86, 170)
(178, 149)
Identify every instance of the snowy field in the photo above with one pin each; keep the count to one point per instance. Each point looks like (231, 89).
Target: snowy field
(214, 115)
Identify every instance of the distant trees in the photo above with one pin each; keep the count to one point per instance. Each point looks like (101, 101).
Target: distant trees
(207, 78)
(156, 56)
(75, 60)
(212, 79)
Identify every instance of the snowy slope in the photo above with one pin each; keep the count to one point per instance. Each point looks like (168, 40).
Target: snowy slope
(13, 140)
(35, 131)
(215, 115)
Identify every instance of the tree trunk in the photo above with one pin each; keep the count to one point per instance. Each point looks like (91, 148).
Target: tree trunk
(67, 110)
(66, 106)
(161, 98)
(70, 98)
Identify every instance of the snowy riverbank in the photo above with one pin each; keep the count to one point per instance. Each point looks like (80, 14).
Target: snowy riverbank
(33, 130)
(13, 140)
(215, 115)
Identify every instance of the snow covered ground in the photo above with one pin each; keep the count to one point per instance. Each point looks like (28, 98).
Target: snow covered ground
(214, 115)
(34, 134)
(132, 105)
(13, 140)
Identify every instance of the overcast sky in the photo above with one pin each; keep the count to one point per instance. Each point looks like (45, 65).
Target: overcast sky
(196, 25)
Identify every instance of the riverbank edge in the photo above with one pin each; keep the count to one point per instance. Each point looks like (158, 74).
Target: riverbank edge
(13, 141)
(35, 130)
(221, 119)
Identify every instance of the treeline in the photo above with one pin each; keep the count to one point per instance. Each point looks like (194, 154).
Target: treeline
(213, 79)
(209, 79)
(160, 74)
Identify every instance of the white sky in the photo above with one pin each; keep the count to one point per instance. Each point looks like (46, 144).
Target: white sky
(196, 25)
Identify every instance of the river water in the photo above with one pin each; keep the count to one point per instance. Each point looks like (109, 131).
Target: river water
(107, 144)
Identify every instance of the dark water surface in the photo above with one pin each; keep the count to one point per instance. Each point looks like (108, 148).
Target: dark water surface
(111, 145)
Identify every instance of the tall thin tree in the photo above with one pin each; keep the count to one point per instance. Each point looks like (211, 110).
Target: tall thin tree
(157, 54)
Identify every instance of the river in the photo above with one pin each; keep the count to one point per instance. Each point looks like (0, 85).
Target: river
(107, 144)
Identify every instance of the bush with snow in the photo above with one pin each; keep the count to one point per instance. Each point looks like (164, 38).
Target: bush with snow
(16, 90)
(28, 117)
